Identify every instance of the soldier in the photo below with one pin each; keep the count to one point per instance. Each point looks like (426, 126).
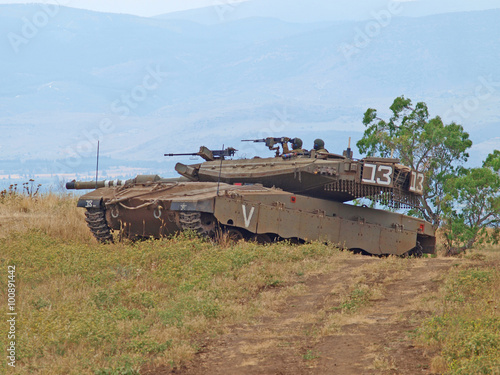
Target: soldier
(319, 146)
(297, 146)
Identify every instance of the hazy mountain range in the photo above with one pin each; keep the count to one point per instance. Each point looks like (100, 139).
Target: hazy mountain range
(146, 86)
(312, 11)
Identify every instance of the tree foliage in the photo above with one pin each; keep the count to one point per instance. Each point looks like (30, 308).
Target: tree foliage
(493, 161)
(423, 143)
(472, 208)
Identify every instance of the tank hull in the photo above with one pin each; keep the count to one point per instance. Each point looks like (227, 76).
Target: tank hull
(253, 211)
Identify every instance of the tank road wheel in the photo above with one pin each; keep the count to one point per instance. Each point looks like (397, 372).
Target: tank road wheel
(234, 234)
(96, 221)
(262, 239)
(201, 223)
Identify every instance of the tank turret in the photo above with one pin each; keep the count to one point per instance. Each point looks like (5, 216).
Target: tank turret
(317, 174)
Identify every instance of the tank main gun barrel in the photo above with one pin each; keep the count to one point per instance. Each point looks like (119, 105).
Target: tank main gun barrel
(140, 179)
(84, 185)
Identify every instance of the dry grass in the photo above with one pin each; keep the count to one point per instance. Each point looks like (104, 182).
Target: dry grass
(86, 308)
(439, 365)
(258, 347)
(383, 364)
(55, 215)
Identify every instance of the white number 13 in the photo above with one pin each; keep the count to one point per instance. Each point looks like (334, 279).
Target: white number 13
(380, 174)
(417, 182)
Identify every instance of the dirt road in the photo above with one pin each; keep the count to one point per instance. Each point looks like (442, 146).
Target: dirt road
(354, 320)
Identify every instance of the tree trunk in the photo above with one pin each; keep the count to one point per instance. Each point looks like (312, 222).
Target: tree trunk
(454, 251)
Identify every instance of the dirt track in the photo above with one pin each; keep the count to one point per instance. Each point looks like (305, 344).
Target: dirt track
(310, 335)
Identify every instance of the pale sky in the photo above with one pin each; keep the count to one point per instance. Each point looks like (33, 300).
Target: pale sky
(145, 8)
(294, 11)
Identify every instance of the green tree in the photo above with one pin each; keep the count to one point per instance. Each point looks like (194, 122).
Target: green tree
(423, 143)
(493, 161)
(472, 209)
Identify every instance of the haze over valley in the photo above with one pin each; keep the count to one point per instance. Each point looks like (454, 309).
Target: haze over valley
(147, 86)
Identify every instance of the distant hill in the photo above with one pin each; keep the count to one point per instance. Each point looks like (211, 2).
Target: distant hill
(147, 86)
(312, 11)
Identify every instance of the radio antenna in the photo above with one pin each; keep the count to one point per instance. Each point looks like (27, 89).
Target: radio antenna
(97, 167)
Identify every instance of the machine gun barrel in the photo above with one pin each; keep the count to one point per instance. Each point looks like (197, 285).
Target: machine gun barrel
(268, 140)
(273, 143)
(209, 155)
(187, 154)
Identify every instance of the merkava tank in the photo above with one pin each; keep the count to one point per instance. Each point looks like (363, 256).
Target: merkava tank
(303, 201)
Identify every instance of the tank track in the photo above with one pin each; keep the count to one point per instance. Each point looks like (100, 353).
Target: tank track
(417, 251)
(192, 221)
(96, 221)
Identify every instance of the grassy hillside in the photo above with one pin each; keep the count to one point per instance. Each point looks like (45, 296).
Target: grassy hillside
(465, 327)
(86, 308)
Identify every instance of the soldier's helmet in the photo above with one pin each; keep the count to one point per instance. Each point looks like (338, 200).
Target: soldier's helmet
(319, 144)
(296, 143)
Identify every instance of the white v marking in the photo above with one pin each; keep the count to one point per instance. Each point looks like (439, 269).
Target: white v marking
(249, 218)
